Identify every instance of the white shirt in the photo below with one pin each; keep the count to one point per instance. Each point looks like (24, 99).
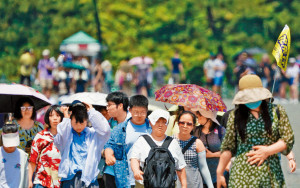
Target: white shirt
(221, 66)
(140, 151)
(292, 71)
(209, 66)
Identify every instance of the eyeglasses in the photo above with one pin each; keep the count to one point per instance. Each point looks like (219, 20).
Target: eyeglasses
(182, 123)
(109, 105)
(139, 113)
(29, 108)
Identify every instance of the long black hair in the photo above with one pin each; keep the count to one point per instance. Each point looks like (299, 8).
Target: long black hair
(241, 115)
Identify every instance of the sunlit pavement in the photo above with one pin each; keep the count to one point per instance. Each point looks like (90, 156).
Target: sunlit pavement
(293, 111)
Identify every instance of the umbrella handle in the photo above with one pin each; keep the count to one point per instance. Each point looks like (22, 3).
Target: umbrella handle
(10, 116)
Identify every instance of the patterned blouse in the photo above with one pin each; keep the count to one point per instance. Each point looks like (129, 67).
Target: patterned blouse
(190, 155)
(47, 158)
(269, 174)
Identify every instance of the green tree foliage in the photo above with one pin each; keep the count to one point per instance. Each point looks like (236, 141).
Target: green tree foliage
(154, 28)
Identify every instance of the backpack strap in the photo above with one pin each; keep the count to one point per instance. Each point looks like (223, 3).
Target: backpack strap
(149, 141)
(189, 144)
(167, 142)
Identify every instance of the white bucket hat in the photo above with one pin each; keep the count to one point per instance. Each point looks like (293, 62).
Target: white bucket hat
(251, 90)
(159, 113)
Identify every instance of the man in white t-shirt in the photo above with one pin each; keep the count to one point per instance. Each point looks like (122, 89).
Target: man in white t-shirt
(292, 73)
(219, 68)
(140, 150)
(14, 163)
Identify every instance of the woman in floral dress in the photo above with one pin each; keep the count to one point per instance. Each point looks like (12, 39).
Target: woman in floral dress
(255, 135)
(45, 157)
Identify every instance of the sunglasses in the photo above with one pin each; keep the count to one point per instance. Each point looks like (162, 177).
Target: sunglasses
(9, 128)
(182, 123)
(29, 108)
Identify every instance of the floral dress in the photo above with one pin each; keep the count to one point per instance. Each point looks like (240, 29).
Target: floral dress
(27, 136)
(269, 174)
(47, 158)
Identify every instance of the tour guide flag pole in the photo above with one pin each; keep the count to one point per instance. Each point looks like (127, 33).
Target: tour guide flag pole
(281, 50)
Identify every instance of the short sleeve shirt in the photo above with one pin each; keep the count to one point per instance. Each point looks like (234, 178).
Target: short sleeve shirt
(141, 149)
(47, 158)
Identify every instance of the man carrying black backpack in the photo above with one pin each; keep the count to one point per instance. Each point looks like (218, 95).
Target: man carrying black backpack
(158, 155)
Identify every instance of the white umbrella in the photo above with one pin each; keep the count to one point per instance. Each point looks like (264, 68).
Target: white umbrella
(93, 98)
(141, 60)
(11, 93)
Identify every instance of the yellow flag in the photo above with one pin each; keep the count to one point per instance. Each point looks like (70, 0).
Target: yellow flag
(282, 48)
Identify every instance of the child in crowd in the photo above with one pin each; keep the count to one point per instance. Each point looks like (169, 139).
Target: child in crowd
(14, 164)
(123, 136)
(140, 150)
(80, 146)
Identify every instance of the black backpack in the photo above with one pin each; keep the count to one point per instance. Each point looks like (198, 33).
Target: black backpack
(159, 169)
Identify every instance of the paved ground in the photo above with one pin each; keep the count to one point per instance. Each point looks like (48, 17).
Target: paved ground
(293, 111)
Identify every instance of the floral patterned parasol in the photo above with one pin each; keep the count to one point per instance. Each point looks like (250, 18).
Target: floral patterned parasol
(192, 96)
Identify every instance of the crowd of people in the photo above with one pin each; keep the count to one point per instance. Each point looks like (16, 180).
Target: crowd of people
(71, 74)
(125, 145)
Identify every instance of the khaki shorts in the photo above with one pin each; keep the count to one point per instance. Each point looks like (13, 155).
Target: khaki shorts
(46, 83)
(138, 185)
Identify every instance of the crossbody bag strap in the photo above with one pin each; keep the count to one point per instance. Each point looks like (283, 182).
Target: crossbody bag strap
(189, 144)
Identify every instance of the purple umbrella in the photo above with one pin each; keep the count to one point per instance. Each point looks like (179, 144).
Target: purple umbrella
(11, 93)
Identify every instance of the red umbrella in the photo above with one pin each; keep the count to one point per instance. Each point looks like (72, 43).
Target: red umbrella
(192, 96)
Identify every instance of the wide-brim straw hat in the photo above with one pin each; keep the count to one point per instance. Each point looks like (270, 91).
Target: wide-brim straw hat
(251, 90)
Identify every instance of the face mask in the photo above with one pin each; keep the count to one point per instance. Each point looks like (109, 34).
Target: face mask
(253, 105)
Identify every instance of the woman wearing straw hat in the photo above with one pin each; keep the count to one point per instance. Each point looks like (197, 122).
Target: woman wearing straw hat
(255, 135)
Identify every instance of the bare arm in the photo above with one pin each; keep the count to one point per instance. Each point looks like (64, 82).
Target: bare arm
(182, 177)
(31, 168)
(135, 166)
(224, 160)
(210, 154)
(110, 159)
(292, 161)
